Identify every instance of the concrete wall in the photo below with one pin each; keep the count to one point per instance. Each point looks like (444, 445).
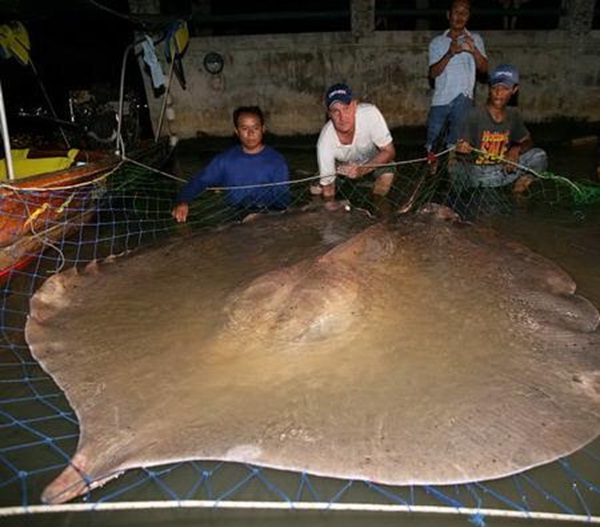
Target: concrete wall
(287, 74)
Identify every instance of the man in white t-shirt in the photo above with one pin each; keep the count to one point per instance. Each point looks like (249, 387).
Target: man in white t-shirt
(354, 142)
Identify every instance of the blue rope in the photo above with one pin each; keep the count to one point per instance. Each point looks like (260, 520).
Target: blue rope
(388, 494)
(548, 495)
(272, 488)
(478, 520)
(581, 500)
(587, 483)
(499, 497)
(338, 496)
(201, 481)
(155, 476)
(238, 486)
(475, 495)
(305, 482)
(521, 492)
(444, 498)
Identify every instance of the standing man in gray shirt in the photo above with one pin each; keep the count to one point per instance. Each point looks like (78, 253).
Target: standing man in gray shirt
(455, 57)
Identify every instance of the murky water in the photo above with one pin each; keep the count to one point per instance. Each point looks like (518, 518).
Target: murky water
(570, 238)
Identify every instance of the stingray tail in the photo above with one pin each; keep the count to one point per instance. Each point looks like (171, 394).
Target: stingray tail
(73, 481)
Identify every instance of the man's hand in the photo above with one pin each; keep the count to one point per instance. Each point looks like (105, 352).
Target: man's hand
(467, 44)
(462, 147)
(328, 192)
(180, 212)
(350, 170)
(455, 47)
(512, 155)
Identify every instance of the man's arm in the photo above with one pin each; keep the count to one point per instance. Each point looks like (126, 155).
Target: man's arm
(193, 187)
(465, 45)
(468, 133)
(520, 139)
(384, 156)
(469, 46)
(481, 61)
(516, 149)
(463, 147)
(326, 163)
(436, 69)
(281, 192)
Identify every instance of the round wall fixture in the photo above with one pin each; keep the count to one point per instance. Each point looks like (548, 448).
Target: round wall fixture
(213, 63)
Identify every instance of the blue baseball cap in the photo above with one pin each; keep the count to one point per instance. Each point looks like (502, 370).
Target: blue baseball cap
(338, 93)
(505, 74)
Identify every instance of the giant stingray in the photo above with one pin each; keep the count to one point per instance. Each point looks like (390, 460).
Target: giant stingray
(419, 351)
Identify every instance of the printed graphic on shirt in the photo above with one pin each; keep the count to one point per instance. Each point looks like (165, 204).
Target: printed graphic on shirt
(494, 145)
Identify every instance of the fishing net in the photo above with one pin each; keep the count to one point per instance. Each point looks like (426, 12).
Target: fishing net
(131, 208)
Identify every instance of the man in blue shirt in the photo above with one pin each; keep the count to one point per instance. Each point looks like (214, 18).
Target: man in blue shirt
(254, 175)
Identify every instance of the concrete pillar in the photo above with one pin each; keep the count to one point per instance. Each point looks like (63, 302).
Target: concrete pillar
(578, 17)
(362, 13)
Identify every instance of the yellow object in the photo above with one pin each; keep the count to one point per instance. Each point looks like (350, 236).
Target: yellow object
(176, 43)
(25, 167)
(33, 216)
(14, 42)
(177, 39)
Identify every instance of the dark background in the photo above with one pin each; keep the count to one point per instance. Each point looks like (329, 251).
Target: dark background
(75, 43)
(80, 44)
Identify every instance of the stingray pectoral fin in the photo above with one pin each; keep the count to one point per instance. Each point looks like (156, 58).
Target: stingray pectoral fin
(73, 481)
(52, 295)
(572, 311)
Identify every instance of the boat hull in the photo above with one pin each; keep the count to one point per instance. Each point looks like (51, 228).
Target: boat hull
(38, 211)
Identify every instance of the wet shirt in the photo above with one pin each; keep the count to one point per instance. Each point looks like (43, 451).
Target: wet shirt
(371, 133)
(485, 134)
(236, 168)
